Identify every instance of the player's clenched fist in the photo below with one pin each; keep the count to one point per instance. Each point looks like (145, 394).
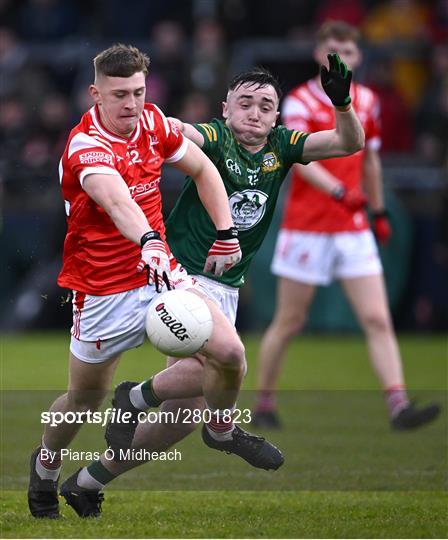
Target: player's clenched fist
(224, 253)
(381, 226)
(155, 260)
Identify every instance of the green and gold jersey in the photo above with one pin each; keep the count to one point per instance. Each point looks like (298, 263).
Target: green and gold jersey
(252, 182)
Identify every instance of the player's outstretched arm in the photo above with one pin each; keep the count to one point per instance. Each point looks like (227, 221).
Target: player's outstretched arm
(189, 131)
(225, 251)
(348, 137)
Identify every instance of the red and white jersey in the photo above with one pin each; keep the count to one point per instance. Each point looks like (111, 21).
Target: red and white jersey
(308, 108)
(98, 259)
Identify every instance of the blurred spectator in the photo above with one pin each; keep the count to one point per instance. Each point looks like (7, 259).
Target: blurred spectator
(246, 18)
(397, 20)
(350, 11)
(54, 122)
(403, 25)
(439, 21)
(169, 70)
(8, 11)
(13, 133)
(195, 107)
(209, 61)
(430, 307)
(81, 102)
(396, 129)
(35, 176)
(41, 20)
(134, 19)
(13, 58)
(432, 117)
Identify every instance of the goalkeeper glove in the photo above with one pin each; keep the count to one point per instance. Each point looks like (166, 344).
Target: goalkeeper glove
(352, 199)
(336, 81)
(224, 253)
(155, 260)
(381, 226)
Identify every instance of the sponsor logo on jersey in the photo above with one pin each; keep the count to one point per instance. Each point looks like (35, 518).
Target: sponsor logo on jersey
(247, 207)
(233, 166)
(141, 189)
(174, 326)
(270, 163)
(252, 176)
(94, 157)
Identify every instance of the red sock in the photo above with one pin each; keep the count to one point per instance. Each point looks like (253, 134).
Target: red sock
(266, 401)
(220, 424)
(396, 399)
(50, 461)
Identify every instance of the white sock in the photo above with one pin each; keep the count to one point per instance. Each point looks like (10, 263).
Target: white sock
(226, 436)
(86, 480)
(217, 428)
(137, 399)
(48, 473)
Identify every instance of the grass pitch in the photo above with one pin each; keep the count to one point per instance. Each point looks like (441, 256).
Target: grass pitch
(345, 475)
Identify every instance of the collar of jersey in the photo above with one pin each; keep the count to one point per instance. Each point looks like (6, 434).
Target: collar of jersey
(242, 148)
(95, 114)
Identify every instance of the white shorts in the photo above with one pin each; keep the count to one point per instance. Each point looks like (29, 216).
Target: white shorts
(319, 258)
(224, 296)
(105, 326)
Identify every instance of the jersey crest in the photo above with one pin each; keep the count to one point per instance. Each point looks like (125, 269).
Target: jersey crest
(270, 162)
(247, 207)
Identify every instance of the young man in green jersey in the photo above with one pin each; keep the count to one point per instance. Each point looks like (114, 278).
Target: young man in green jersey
(253, 157)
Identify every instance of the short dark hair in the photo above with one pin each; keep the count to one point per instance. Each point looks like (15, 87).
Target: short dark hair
(120, 61)
(258, 77)
(338, 30)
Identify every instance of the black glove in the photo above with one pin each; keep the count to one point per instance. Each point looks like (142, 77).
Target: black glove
(336, 81)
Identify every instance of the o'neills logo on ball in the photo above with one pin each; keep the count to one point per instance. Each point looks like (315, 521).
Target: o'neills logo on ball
(171, 323)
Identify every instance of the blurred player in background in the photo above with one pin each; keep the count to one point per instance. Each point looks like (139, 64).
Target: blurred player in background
(116, 257)
(321, 240)
(253, 157)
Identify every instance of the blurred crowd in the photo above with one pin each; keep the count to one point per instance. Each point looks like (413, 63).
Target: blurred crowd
(46, 47)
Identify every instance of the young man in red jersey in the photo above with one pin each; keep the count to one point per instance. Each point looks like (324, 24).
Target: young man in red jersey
(116, 258)
(321, 240)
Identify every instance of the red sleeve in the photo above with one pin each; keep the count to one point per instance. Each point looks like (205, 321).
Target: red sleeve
(296, 114)
(373, 124)
(86, 156)
(173, 144)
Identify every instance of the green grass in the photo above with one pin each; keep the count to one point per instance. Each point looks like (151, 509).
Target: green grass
(345, 475)
(243, 515)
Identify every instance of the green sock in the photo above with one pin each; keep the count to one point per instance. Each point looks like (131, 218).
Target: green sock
(149, 395)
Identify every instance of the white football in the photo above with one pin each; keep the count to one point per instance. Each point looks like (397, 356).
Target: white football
(178, 323)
